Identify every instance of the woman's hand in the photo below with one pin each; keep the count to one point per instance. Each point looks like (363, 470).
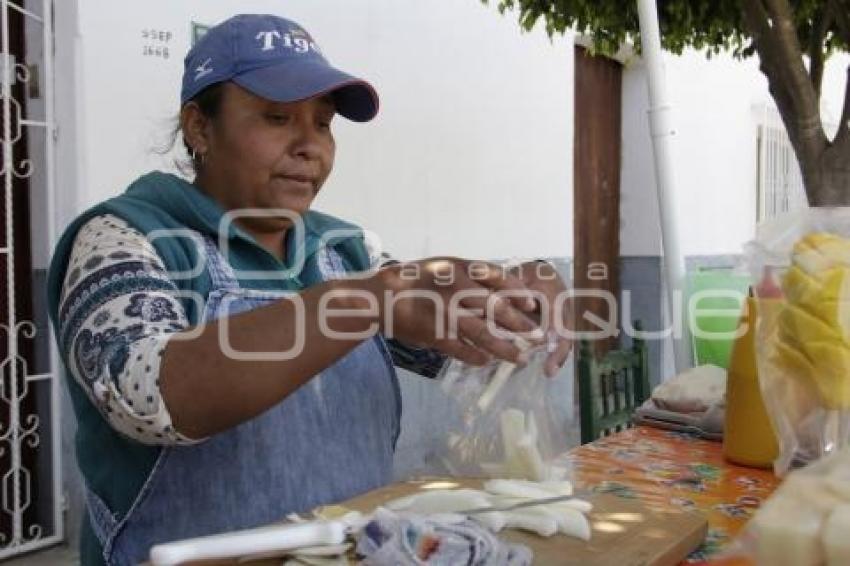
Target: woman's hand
(469, 310)
(541, 277)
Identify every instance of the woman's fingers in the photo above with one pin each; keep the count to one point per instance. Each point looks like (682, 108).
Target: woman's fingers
(485, 336)
(500, 298)
(464, 352)
(493, 306)
(497, 278)
(556, 359)
(559, 321)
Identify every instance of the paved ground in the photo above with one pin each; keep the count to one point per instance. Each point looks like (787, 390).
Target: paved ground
(60, 555)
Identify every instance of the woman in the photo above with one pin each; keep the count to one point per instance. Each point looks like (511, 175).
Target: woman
(226, 367)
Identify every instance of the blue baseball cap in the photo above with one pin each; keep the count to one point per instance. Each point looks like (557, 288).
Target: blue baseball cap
(276, 59)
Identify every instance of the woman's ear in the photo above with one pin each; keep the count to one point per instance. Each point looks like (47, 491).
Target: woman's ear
(195, 127)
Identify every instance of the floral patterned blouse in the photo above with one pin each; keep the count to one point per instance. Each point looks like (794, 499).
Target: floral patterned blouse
(118, 309)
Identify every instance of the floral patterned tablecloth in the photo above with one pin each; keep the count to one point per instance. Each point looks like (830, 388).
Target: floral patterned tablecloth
(668, 469)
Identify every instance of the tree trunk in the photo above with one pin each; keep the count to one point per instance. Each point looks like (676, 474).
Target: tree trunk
(827, 175)
(824, 164)
(832, 186)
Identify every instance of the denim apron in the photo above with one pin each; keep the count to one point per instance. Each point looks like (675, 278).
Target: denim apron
(331, 439)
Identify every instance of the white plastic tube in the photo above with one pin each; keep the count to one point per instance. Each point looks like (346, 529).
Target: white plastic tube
(663, 134)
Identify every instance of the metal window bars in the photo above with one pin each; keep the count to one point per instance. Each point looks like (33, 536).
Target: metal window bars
(780, 183)
(30, 440)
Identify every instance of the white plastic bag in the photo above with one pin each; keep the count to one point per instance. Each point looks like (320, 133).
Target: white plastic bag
(508, 428)
(802, 264)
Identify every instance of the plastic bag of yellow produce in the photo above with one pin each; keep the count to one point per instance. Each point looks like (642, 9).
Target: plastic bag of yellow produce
(802, 265)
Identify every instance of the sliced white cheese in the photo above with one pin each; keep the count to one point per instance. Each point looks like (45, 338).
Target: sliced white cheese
(558, 487)
(500, 377)
(836, 536)
(530, 460)
(512, 427)
(440, 501)
(571, 522)
(788, 532)
(528, 520)
(838, 483)
(531, 430)
(811, 490)
(578, 504)
(521, 489)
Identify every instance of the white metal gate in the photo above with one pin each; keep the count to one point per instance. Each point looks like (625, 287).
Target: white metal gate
(30, 441)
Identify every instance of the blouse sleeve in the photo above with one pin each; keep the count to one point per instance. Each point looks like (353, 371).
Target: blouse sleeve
(118, 309)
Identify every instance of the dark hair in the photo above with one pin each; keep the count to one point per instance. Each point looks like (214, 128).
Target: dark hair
(209, 102)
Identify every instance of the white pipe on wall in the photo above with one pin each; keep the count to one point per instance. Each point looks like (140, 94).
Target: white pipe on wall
(663, 133)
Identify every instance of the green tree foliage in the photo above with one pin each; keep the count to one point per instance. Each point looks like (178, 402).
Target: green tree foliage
(792, 38)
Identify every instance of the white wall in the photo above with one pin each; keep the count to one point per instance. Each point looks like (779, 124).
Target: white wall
(472, 151)
(715, 102)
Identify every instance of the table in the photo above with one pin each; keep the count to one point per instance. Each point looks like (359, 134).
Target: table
(665, 471)
(668, 469)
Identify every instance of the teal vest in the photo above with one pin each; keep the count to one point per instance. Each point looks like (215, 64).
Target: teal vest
(156, 202)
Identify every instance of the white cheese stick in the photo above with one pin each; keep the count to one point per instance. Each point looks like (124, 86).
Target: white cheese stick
(541, 523)
(578, 504)
(571, 522)
(512, 424)
(521, 489)
(500, 377)
(440, 501)
(530, 461)
(557, 487)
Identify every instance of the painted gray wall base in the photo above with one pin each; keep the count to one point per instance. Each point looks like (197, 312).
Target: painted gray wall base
(641, 277)
(70, 476)
(695, 262)
(72, 480)
(72, 486)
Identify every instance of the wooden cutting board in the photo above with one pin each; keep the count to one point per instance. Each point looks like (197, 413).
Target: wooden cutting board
(625, 532)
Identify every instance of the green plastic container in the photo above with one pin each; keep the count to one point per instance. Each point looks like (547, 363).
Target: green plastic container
(717, 350)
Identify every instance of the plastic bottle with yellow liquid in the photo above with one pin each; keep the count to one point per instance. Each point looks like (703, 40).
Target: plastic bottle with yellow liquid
(748, 437)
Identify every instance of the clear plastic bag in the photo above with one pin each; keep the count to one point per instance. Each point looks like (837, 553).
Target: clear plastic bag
(802, 263)
(507, 425)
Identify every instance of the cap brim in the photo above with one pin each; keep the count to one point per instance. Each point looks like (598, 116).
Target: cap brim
(355, 98)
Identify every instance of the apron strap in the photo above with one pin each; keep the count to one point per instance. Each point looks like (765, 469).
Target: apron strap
(330, 264)
(221, 273)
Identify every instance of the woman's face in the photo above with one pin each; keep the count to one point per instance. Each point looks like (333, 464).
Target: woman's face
(268, 155)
